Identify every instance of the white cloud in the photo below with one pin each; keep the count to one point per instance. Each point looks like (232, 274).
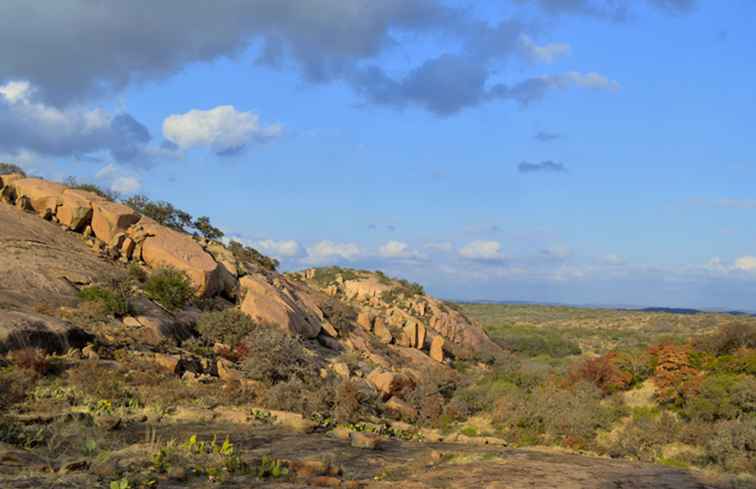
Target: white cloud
(548, 53)
(482, 250)
(399, 250)
(746, 263)
(118, 179)
(16, 91)
(223, 128)
(324, 251)
(285, 248)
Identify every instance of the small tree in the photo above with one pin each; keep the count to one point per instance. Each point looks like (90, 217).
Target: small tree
(203, 226)
(169, 287)
(8, 168)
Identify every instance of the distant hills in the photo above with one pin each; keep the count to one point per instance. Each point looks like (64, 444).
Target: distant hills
(668, 310)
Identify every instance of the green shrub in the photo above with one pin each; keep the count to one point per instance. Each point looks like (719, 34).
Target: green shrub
(728, 339)
(15, 383)
(7, 168)
(169, 287)
(570, 417)
(247, 254)
(114, 298)
(341, 315)
(538, 343)
(72, 182)
(229, 327)
(723, 396)
(730, 444)
(326, 276)
(273, 357)
(645, 435)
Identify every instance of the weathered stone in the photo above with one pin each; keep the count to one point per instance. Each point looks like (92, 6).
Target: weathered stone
(382, 331)
(329, 329)
(76, 210)
(370, 441)
(267, 304)
(41, 196)
(24, 330)
(109, 219)
(127, 248)
(294, 421)
(402, 408)
(341, 369)
(168, 362)
(164, 247)
(437, 348)
(388, 383)
(365, 320)
(329, 342)
(227, 372)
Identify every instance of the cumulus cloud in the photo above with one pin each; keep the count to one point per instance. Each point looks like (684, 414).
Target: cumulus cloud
(29, 124)
(482, 250)
(329, 251)
(746, 263)
(547, 53)
(223, 128)
(399, 250)
(325, 40)
(279, 249)
(542, 167)
(119, 180)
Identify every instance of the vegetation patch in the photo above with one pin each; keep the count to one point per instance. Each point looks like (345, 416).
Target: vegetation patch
(169, 287)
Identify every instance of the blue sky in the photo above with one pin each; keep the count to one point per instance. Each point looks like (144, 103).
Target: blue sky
(580, 151)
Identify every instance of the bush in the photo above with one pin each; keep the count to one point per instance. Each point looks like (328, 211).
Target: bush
(730, 338)
(162, 212)
(15, 383)
(535, 344)
(731, 445)
(341, 315)
(273, 357)
(644, 436)
(7, 168)
(169, 287)
(33, 359)
(349, 403)
(247, 254)
(300, 397)
(114, 298)
(229, 327)
(571, 417)
(723, 396)
(71, 182)
(675, 377)
(602, 372)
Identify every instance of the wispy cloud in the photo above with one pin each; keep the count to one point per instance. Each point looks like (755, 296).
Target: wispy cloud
(542, 167)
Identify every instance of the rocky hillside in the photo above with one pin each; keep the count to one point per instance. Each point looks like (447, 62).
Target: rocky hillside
(342, 309)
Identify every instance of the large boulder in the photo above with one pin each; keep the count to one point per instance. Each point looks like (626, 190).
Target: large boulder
(7, 191)
(27, 330)
(76, 209)
(110, 219)
(164, 247)
(274, 300)
(38, 195)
